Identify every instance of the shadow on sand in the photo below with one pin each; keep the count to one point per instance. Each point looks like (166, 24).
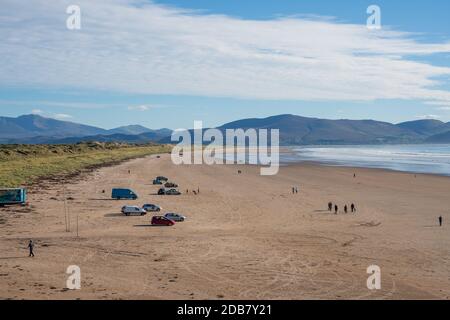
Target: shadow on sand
(147, 225)
(108, 215)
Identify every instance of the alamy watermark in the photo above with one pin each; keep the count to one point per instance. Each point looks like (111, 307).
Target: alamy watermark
(374, 280)
(73, 22)
(210, 146)
(74, 280)
(374, 20)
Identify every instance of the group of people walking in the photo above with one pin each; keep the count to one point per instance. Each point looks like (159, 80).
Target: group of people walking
(336, 208)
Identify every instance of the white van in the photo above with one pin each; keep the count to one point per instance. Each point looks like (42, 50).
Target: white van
(133, 211)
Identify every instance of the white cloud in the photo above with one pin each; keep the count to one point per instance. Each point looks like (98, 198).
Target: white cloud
(428, 116)
(145, 107)
(134, 46)
(139, 108)
(37, 111)
(62, 116)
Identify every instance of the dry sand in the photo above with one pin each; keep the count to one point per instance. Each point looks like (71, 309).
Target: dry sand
(247, 236)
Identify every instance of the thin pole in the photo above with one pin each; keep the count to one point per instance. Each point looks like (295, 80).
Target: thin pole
(66, 209)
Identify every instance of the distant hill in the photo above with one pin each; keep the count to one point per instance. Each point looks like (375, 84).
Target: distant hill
(439, 138)
(425, 127)
(34, 125)
(294, 130)
(132, 129)
(35, 129)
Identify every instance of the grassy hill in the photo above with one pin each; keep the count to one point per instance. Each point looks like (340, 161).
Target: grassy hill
(21, 165)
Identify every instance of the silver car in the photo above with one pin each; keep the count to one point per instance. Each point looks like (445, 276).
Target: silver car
(151, 207)
(133, 211)
(175, 217)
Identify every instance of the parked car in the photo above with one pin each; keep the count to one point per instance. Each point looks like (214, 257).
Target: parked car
(175, 217)
(156, 181)
(133, 211)
(170, 185)
(173, 192)
(119, 193)
(162, 221)
(151, 207)
(13, 196)
(162, 178)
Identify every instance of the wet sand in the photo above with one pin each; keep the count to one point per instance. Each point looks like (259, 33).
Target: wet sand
(246, 237)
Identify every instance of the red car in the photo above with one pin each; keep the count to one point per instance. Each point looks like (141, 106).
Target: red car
(162, 221)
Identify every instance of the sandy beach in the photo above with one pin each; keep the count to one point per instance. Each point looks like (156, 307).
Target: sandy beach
(246, 235)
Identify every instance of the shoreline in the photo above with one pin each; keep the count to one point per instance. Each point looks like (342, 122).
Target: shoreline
(289, 150)
(350, 167)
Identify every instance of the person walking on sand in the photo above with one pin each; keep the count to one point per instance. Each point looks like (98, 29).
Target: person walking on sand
(198, 190)
(336, 209)
(330, 206)
(440, 221)
(353, 208)
(345, 209)
(30, 247)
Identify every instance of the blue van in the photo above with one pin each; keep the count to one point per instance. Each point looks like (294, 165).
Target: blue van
(119, 193)
(13, 196)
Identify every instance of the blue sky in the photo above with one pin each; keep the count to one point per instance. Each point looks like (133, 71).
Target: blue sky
(168, 63)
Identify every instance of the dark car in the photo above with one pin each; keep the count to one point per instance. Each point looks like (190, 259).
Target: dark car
(172, 192)
(162, 221)
(162, 178)
(156, 181)
(170, 185)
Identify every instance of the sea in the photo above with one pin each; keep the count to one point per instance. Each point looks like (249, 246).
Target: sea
(416, 158)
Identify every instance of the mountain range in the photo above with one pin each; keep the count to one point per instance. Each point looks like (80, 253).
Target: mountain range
(294, 130)
(37, 129)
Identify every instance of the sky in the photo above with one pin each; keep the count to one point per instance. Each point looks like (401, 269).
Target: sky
(167, 63)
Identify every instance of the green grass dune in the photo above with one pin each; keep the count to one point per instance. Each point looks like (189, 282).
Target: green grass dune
(21, 165)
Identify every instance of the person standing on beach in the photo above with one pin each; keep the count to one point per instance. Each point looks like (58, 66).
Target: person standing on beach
(440, 221)
(336, 209)
(353, 208)
(30, 247)
(345, 209)
(330, 206)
